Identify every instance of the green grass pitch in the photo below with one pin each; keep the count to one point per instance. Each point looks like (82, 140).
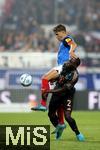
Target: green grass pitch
(88, 123)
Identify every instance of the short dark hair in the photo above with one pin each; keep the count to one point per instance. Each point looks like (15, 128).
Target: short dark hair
(70, 65)
(59, 28)
(75, 61)
(67, 68)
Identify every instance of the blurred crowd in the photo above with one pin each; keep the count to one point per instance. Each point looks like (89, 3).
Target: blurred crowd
(21, 24)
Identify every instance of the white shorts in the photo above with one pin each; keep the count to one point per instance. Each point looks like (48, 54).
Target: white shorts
(58, 68)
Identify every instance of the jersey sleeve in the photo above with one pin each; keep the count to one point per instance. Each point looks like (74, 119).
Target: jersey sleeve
(67, 41)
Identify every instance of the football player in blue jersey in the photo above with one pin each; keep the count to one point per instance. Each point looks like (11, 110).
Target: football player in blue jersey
(66, 51)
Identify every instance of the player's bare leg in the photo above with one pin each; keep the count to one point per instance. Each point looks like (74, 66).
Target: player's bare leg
(60, 114)
(52, 74)
(72, 123)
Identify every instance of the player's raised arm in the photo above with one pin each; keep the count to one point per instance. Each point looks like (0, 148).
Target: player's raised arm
(70, 42)
(73, 46)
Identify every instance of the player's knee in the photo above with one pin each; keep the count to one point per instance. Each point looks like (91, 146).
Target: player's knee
(67, 117)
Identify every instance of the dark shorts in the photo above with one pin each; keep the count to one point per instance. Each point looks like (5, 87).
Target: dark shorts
(65, 99)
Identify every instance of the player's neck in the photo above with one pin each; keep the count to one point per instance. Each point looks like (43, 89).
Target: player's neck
(64, 36)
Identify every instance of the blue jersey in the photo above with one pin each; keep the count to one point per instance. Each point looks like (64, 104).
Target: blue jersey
(63, 51)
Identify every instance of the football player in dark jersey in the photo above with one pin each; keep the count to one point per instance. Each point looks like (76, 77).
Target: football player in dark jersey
(63, 94)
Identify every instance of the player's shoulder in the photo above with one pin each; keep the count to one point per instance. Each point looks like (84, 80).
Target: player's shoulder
(68, 38)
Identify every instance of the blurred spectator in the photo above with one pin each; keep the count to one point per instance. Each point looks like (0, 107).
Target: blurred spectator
(21, 24)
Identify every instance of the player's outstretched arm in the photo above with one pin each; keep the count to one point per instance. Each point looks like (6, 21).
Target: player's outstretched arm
(69, 41)
(73, 46)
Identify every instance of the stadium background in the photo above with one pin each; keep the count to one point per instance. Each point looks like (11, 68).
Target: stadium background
(27, 44)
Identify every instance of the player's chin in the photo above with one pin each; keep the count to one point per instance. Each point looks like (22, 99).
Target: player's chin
(60, 39)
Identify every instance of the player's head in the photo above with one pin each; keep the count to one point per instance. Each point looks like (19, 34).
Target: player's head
(67, 68)
(60, 32)
(75, 62)
(70, 65)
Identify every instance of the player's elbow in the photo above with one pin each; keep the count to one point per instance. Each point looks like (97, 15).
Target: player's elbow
(75, 45)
